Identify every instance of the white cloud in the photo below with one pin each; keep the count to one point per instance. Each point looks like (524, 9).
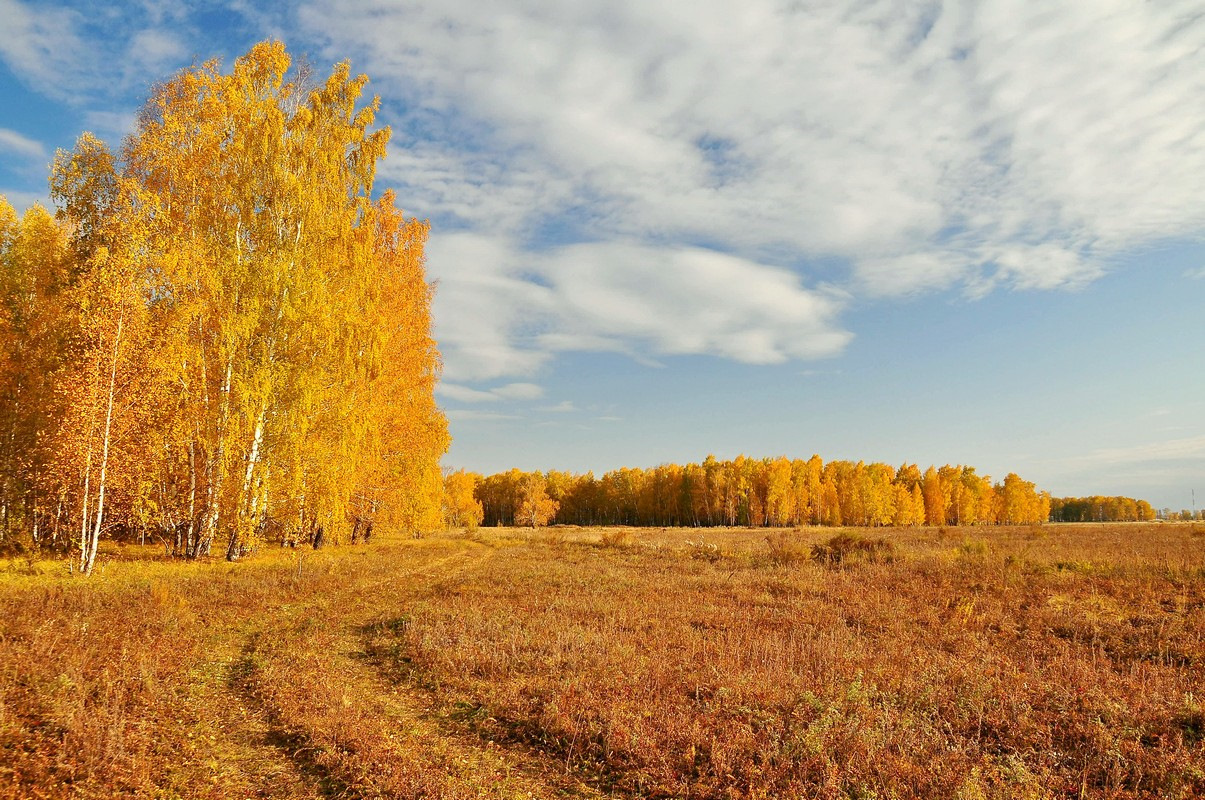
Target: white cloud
(111, 126)
(484, 309)
(510, 391)
(41, 45)
(500, 311)
(1196, 274)
(1157, 470)
(463, 394)
(925, 146)
(469, 415)
(1192, 447)
(85, 53)
(683, 300)
(520, 391)
(155, 50)
(20, 145)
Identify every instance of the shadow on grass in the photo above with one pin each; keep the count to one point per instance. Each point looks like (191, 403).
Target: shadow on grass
(566, 763)
(296, 746)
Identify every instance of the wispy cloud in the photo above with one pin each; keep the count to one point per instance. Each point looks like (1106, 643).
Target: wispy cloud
(469, 415)
(42, 46)
(1196, 274)
(463, 394)
(520, 391)
(924, 147)
(155, 50)
(510, 391)
(689, 301)
(20, 145)
(484, 309)
(22, 200)
(500, 310)
(83, 53)
(1188, 448)
(111, 126)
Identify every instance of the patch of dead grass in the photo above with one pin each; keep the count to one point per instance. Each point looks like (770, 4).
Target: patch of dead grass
(672, 663)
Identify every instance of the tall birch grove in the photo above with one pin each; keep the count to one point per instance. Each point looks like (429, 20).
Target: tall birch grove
(242, 339)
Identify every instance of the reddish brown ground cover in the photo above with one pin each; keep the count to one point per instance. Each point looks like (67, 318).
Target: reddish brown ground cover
(1054, 661)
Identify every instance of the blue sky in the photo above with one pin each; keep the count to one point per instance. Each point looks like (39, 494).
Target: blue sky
(924, 231)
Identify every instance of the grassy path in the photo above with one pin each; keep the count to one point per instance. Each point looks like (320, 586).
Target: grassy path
(304, 685)
(270, 693)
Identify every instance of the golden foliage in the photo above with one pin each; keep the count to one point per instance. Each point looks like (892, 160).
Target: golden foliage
(247, 347)
(461, 508)
(769, 492)
(536, 508)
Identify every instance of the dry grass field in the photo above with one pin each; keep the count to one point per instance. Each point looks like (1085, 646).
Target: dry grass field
(1044, 662)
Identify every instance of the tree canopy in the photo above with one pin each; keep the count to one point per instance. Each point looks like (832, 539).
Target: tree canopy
(241, 331)
(773, 492)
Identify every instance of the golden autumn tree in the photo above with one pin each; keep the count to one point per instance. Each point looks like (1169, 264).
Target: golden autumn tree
(936, 496)
(536, 508)
(35, 271)
(286, 315)
(461, 507)
(397, 365)
(112, 378)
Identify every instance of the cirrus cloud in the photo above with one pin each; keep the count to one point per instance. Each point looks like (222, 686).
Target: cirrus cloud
(888, 148)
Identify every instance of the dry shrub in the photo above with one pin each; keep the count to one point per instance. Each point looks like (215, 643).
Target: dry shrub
(705, 551)
(555, 536)
(846, 548)
(786, 549)
(974, 548)
(616, 537)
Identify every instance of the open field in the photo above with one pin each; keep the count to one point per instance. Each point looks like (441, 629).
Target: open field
(1043, 662)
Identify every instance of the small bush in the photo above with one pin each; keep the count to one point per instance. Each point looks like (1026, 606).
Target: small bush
(786, 549)
(848, 547)
(974, 548)
(616, 537)
(705, 551)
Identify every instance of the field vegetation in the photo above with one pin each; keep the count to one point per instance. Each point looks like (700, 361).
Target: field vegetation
(996, 662)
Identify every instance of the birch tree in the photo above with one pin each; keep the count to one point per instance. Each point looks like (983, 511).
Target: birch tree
(238, 271)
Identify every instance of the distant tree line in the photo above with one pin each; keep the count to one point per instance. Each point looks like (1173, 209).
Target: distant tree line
(1100, 509)
(776, 492)
(1183, 515)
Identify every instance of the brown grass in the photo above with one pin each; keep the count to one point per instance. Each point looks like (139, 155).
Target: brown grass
(1052, 662)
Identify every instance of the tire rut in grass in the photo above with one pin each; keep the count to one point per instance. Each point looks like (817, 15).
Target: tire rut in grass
(469, 726)
(355, 734)
(292, 744)
(225, 746)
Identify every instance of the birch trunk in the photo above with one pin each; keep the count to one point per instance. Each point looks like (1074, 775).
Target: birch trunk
(216, 469)
(104, 459)
(241, 530)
